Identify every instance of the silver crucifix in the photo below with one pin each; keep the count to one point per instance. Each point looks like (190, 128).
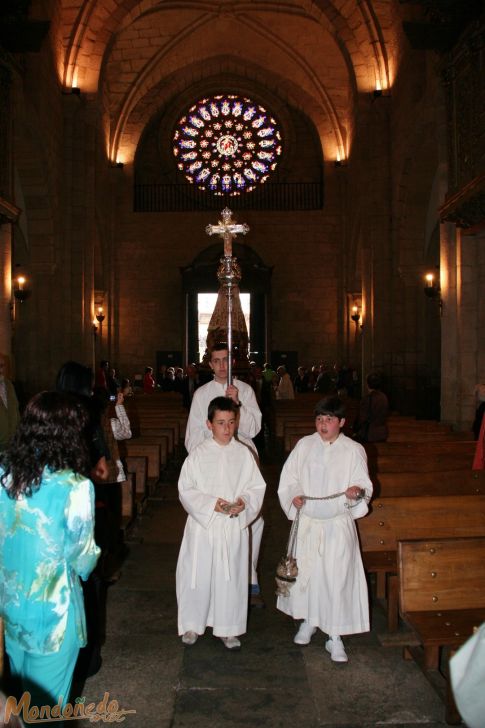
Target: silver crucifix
(229, 273)
(228, 230)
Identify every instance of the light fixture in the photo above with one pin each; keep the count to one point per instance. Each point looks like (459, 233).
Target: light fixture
(431, 289)
(117, 165)
(20, 285)
(95, 328)
(100, 315)
(355, 315)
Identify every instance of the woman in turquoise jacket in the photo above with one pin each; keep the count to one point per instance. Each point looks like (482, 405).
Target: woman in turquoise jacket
(46, 544)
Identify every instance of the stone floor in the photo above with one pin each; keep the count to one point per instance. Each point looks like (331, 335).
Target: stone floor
(271, 681)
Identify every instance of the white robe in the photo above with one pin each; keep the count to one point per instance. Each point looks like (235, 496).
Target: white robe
(249, 414)
(212, 568)
(331, 590)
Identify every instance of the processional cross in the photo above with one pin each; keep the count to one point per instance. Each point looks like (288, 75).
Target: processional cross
(228, 273)
(228, 230)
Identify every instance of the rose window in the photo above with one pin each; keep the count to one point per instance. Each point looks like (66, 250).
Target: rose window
(227, 144)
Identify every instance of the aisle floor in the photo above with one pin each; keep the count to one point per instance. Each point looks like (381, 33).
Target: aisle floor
(271, 682)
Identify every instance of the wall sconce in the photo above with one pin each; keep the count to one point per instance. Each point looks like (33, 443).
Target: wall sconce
(95, 328)
(355, 315)
(433, 290)
(100, 317)
(20, 286)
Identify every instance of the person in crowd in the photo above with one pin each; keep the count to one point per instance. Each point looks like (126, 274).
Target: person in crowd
(325, 481)
(479, 409)
(269, 377)
(248, 426)
(371, 423)
(126, 388)
(300, 383)
(255, 379)
(101, 378)
(149, 384)
(46, 544)
(116, 426)
(169, 383)
(284, 387)
(312, 377)
(324, 383)
(9, 406)
(112, 382)
(192, 382)
(75, 378)
(222, 490)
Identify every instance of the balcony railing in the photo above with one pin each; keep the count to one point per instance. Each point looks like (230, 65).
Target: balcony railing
(187, 198)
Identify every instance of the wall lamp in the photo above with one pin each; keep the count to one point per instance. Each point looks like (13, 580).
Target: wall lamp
(21, 287)
(355, 315)
(432, 289)
(100, 317)
(98, 321)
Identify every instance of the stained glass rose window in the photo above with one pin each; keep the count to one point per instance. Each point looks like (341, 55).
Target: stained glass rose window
(227, 144)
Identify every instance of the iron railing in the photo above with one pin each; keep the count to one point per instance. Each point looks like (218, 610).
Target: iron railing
(187, 198)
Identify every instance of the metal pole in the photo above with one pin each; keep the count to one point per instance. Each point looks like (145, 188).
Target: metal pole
(229, 330)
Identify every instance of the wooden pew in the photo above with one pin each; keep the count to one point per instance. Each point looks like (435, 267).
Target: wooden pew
(441, 597)
(416, 462)
(412, 517)
(128, 501)
(150, 450)
(138, 467)
(438, 483)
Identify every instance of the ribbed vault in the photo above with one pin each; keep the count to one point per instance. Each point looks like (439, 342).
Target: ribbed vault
(322, 54)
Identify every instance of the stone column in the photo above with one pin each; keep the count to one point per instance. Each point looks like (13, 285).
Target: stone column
(449, 323)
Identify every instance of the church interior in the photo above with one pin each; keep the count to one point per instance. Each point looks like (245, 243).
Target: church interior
(348, 136)
(379, 182)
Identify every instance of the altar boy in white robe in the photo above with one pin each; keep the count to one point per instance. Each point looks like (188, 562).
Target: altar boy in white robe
(330, 592)
(222, 490)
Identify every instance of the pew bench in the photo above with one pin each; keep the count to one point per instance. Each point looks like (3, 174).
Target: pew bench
(416, 462)
(150, 450)
(439, 483)
(412, 517)
(441, 597)
(128, 501)
(137, 466)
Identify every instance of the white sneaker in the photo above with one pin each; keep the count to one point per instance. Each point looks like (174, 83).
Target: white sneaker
(232, 643)
(304, 634)
(190, 638)
(337, 650)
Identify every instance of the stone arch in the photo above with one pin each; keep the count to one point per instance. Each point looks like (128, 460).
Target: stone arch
(156, 164)
(274, 87)
(95, 24)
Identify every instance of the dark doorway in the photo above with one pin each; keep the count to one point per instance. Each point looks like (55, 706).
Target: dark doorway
(200, 277)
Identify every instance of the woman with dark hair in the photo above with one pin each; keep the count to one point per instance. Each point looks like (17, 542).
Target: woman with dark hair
(75, 378)
(46, 544)
(78, 380)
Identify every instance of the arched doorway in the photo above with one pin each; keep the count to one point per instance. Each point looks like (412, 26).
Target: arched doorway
(200, 277)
